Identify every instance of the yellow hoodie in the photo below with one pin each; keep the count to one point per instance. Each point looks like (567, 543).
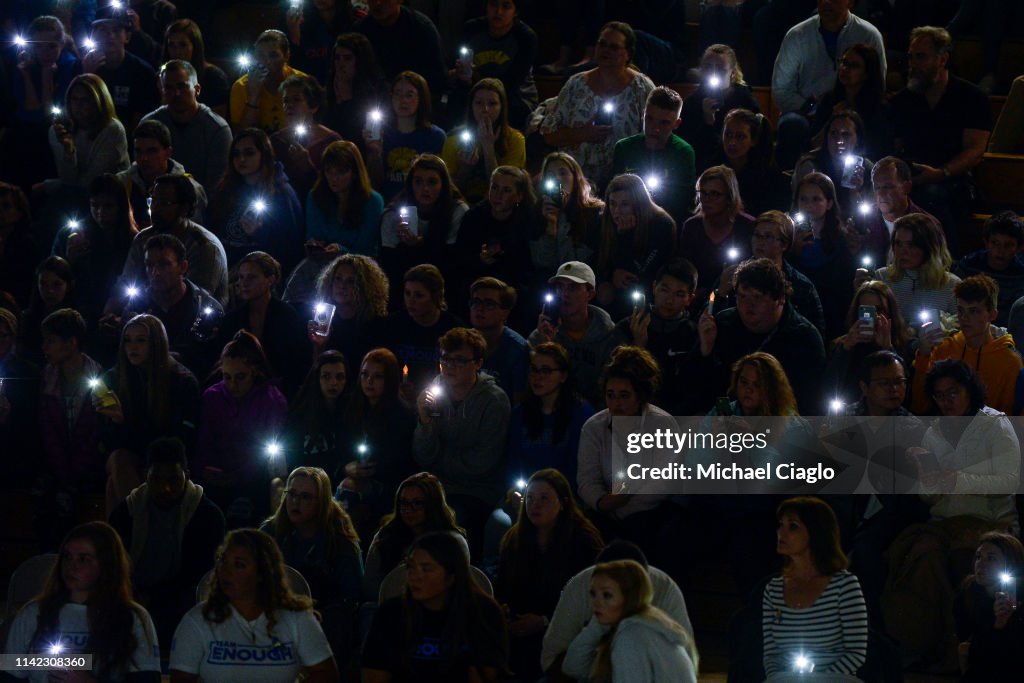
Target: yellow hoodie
(996, 362)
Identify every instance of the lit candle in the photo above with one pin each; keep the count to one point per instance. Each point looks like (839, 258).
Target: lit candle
(711, 304)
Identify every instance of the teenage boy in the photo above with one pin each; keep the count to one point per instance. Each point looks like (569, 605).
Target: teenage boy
(663, 159)
(665, 328)
(1003, 237)
(586, 331)
(508, 355)
(992, 355)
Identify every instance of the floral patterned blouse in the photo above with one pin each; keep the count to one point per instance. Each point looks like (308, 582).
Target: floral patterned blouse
(578, 105)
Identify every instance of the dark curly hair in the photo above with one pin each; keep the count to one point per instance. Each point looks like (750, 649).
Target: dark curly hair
(638, 367)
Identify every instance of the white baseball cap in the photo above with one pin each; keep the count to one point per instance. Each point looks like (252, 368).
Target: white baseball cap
(577, 271)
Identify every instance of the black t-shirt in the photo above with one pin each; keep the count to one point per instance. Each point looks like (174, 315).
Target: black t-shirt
(431, 660)
(415, 345)
(133, 87)
(412, 43)
(934, 136)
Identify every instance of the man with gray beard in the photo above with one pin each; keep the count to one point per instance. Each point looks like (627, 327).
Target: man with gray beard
(942, 127)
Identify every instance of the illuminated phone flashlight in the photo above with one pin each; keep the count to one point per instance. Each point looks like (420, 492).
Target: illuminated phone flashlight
(244, 61)
(733, 253)
(550, 185)
(403, 212)
(89, 44)
(301, 130)
(925, 316)
(864, 208)
(466, 138)
(608, 107)
(258, 206)
(94, 382)
(295, 3)
(867, 262)
(835, 406)
(520, 484)
(435, 392)
(653, 182)
(320, 308)
(715, 82)
(272, 449)
(73, 224)
(20, 41)
(56, 648)
(802, 664)
(799, 218)
(638, 296)
(56, 111)
(131, 291)
(116, 4)
(1005, 578)
(549, 298)
(208, 311)
(362, 449)
(849, 160)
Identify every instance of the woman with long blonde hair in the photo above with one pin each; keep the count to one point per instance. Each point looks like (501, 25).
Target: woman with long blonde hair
(629, 639)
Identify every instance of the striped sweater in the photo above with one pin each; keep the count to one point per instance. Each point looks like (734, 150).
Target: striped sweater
(832, 633)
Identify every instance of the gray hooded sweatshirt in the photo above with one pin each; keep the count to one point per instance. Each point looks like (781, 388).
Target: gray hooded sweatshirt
(588, 356)
(644, 650)
(465, 445)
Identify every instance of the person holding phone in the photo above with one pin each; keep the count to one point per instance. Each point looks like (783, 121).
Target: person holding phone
(596, 108)
(968, 471)
(722, 89)
(874, 323)
(991, 352)
(255, 100)
(989, 625)
(569, 224)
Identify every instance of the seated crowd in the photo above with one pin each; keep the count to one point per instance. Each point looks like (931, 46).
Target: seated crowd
(337, 346)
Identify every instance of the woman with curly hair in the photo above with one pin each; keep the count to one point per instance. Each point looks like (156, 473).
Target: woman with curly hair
(443, 628)
(628, 639)
(252, 626)
(86, 606)
(359, 290)
(631, 380)
(317, 538)
(569, 225)
(255, 208)
(419, 507)
(550, 542)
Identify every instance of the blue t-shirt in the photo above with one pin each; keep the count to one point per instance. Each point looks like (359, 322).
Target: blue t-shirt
(399, 151)
(510, 362)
